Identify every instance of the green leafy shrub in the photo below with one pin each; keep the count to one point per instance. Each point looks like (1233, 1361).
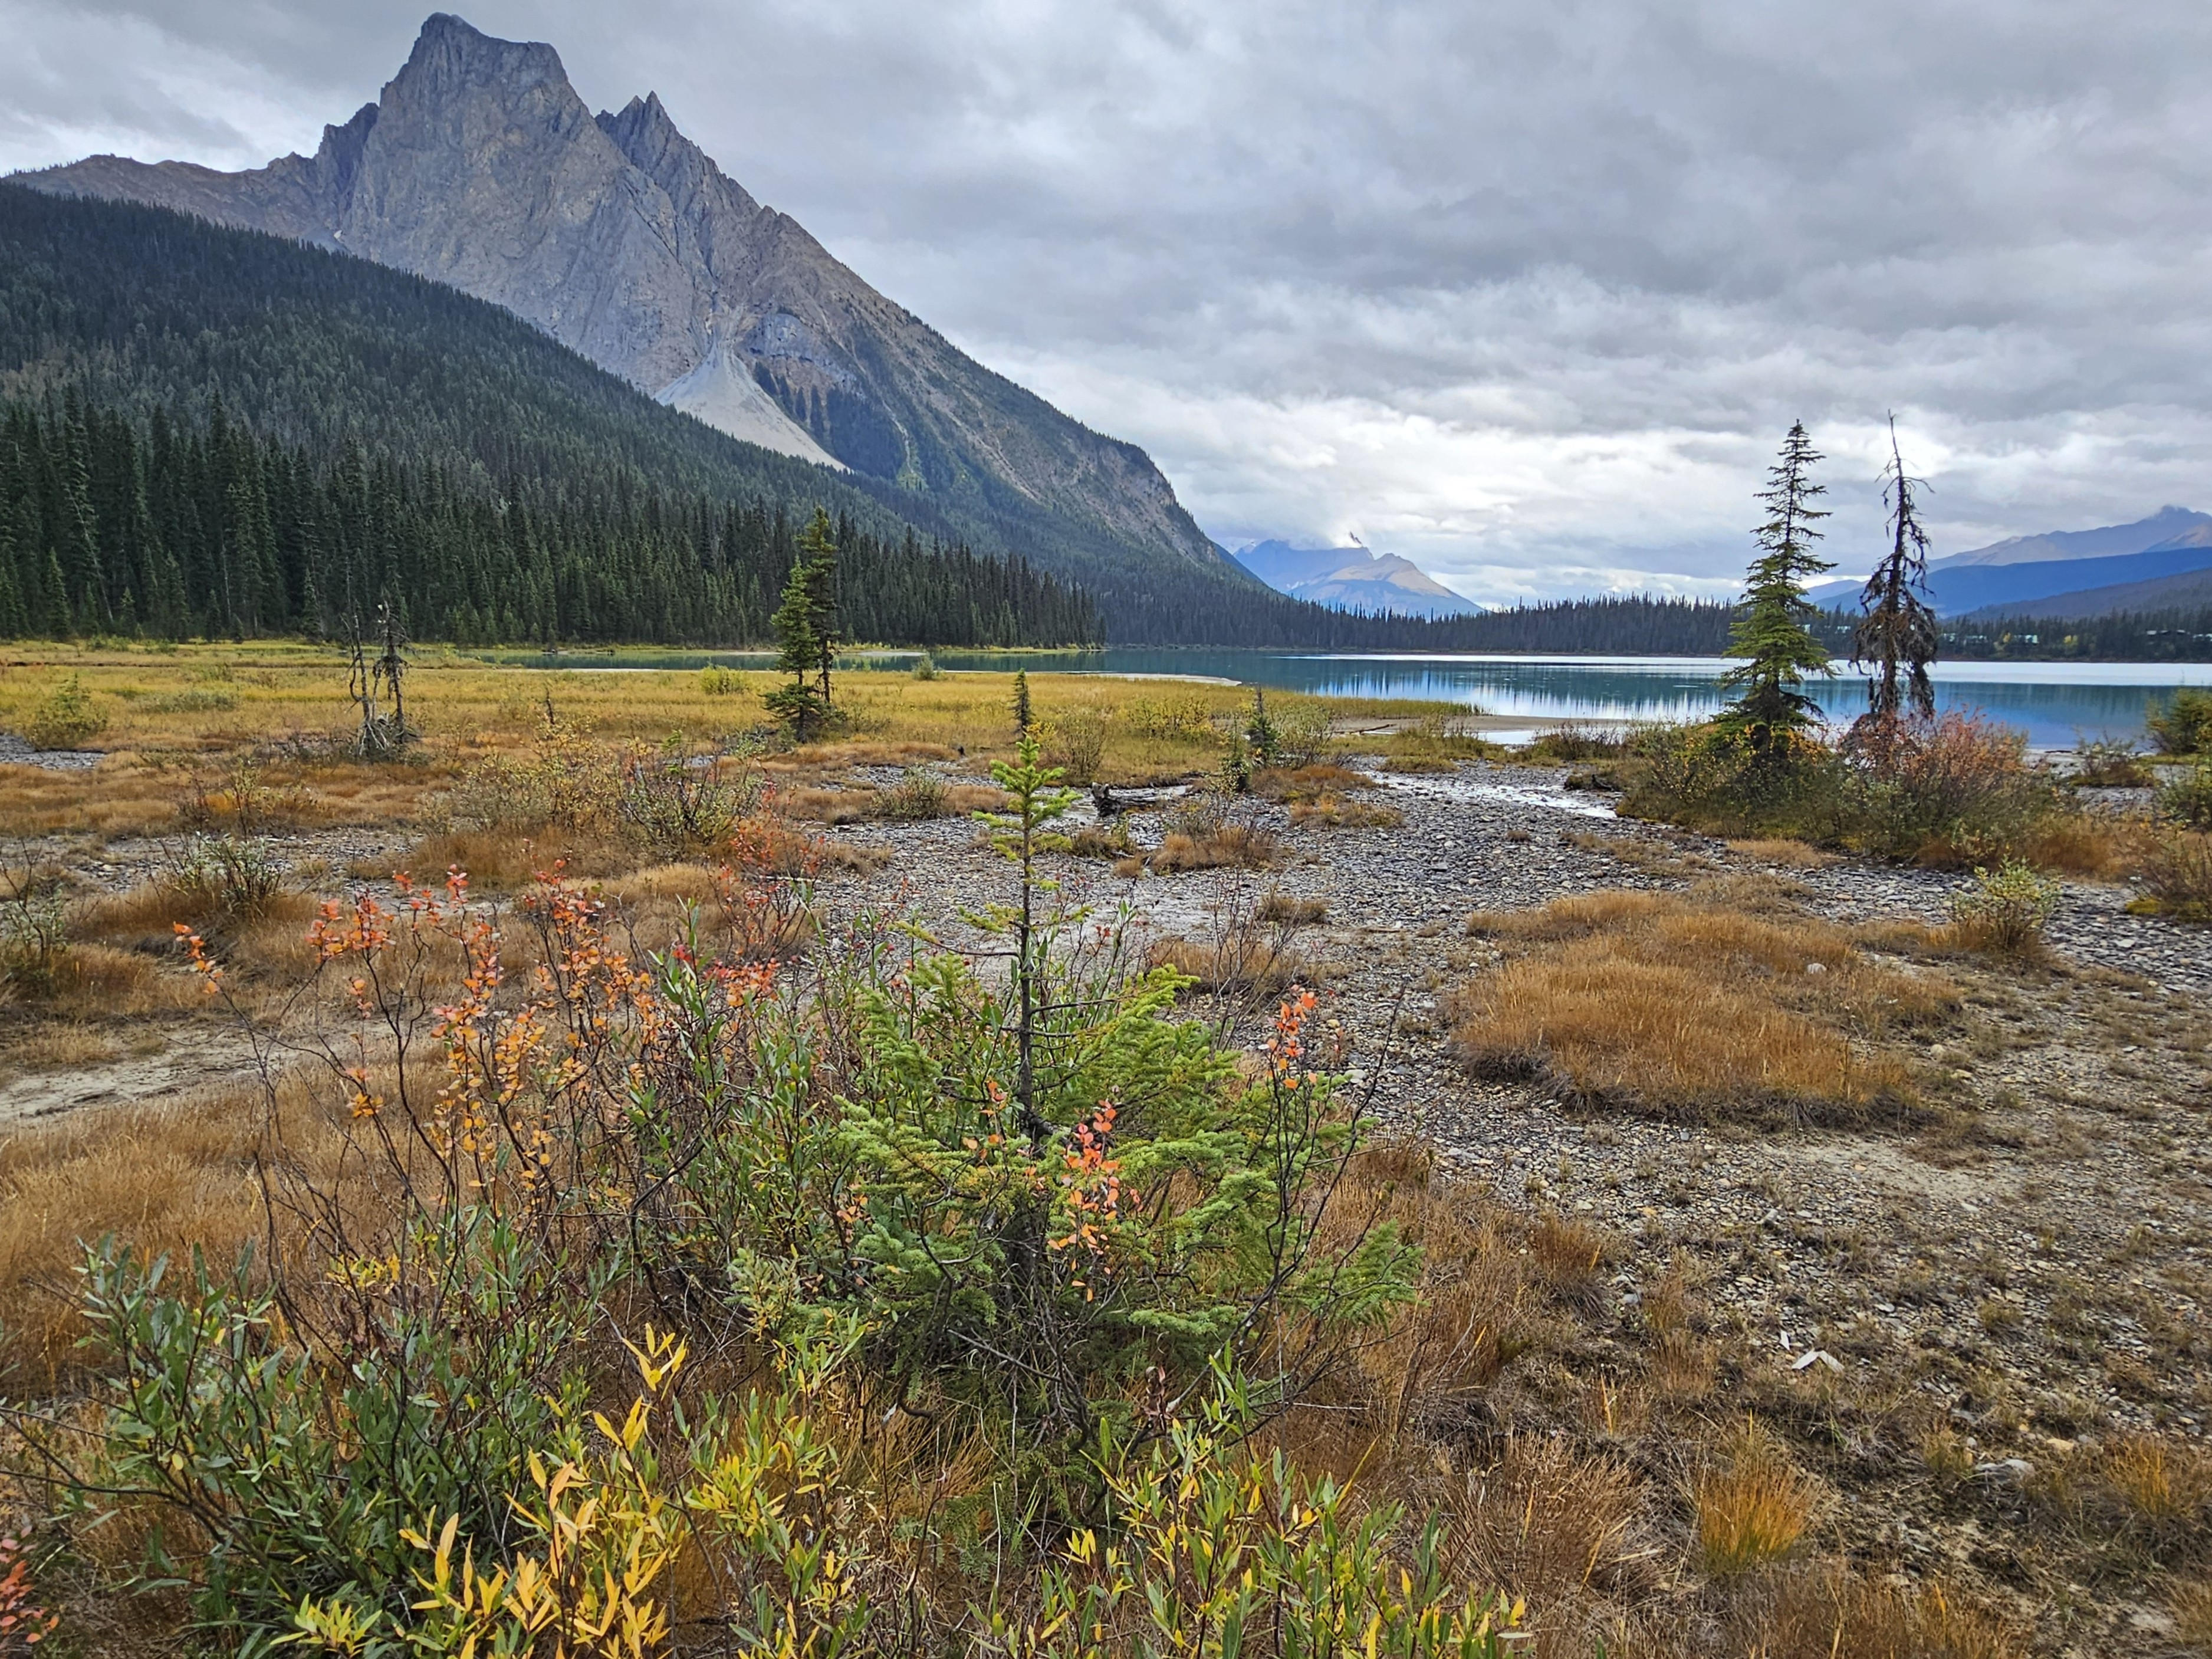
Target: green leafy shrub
(672, 799)
(1305, 732)
(679, 802)
(1946, 792)
(1077, 743)
(920, 794)
(1218, 1549)
(67, 718)
(1186, 718)
(1019, 1199)
(2006, 910)
(1952, 790)
(2110, 765)
(1572, 744)
(33, 929)
(716, 681)
(2177, 877)
(2183, 724)
(1717, 781)
(225, 877)
(2187, 799)
(925, 668)
(303, 1472)
(565, 781)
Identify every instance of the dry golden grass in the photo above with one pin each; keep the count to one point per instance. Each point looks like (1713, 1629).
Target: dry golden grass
(840, 756)
(163, 1178)
(1281, 907)
(830, 806)
(1752, 1507)
(211, 736)
(1307, 782)
(864, 804)
(59, 1046)
(92, 982)
(2164, 1483)
(663, 885)
(2176, 872)
(1415, 763)
(119, 797)
(1477, 1308)
(1579, 1530)
(2096, 845)
(1830, 1612)
(502, 861)
(1335, 811)
(1227, 846)
(2191, 1603)
(1789, 854)
(146, 913)
(1242, 963)
(1569, 1257)
(1548, 1523)
(1690, 1004)
(1110, 840)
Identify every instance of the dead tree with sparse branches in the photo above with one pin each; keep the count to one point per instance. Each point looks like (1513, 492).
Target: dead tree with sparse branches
(1896, 631)
(378, 687)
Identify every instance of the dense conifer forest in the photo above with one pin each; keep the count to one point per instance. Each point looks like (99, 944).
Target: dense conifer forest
(1625, 624)
(2175, 636)
(174, 528)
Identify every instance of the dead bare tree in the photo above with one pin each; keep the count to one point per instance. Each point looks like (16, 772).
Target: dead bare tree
(1897, 630)
(378, 686)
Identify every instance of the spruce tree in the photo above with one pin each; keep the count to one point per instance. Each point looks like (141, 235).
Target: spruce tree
(805, 625)
(1773, 631)
(1896, 631)
(817, 552)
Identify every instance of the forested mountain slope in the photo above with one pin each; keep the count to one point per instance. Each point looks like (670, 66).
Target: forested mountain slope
(213, 430)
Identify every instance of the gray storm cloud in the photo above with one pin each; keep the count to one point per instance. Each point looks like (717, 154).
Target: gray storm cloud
(1525, 292)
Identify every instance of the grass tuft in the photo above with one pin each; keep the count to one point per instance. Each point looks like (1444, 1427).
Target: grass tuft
(1754, 1507)
(1693, 1006)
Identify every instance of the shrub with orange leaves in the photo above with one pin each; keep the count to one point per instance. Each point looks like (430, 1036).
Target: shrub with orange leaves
(1017, 1191)
(23, 1623)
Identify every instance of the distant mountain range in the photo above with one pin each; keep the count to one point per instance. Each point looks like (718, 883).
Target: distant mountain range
(479, 166)
(2191, 590)
(1353, 578)
(2068, 572)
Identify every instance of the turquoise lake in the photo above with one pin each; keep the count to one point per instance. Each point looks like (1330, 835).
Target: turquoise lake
(2056, 704)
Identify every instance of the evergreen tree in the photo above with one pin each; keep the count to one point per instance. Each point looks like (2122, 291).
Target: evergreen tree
(805, 625)
(817, 558)
(1896, 629)
(1773, 632)
(1260, 733)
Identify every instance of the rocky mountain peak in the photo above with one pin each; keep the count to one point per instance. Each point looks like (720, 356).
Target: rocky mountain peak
(480, 167)
(451, 53)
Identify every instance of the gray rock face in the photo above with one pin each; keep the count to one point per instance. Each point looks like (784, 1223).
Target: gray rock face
(480, 167)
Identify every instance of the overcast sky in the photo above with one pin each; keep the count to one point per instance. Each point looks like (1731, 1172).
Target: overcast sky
(1527, 292)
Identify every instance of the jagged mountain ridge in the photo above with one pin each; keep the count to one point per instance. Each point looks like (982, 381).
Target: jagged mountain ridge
(480, 167)
(1353, 578)
(2023, 570)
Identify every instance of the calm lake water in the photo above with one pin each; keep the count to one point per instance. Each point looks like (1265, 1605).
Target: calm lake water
(2056, 704)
